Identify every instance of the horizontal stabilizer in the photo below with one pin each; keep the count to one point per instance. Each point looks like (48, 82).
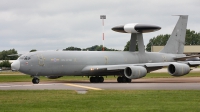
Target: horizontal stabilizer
(185, 58)
(14, 55)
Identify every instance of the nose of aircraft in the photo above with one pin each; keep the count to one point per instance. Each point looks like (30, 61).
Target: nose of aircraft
(15, 65)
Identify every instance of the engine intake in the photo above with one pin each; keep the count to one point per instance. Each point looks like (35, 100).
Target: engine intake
(135, 72)
(178, 69)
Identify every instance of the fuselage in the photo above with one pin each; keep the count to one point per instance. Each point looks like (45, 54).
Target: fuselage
(63, 63)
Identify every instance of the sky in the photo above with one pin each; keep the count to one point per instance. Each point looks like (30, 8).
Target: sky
(58, 24)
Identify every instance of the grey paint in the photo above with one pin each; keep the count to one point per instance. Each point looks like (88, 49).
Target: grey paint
(176, 42)
(141, 47)
(132, 45)
(72, 62)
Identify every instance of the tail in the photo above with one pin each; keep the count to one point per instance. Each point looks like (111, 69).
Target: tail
(176, 42)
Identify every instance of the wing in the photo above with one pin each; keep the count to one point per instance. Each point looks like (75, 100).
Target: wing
(98, 69)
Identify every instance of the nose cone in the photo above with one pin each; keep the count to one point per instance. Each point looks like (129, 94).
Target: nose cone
(15, 65)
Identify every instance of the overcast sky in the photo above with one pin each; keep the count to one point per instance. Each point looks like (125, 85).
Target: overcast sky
(58, 24)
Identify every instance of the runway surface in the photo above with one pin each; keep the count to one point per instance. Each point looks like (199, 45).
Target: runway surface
(191, 83)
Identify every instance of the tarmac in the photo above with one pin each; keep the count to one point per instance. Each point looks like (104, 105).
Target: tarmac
(191, 83)
(176, 83)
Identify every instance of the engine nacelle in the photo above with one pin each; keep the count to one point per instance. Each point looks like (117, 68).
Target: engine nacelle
(53, 77)
(178, 69)
(135, 72)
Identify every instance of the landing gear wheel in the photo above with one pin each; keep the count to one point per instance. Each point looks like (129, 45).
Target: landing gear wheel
(128, 80)
(101, 79)
(35, 80)
(123, 80)
(91, 79)
(119, 79)
(96, 79)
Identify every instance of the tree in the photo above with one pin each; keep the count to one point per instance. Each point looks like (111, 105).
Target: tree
(72, 49)
(160, 40)
(1, 64)
(191, 38)
(93, 48)
(5, 63)
(126, 47)
(4, 54)
(99, 48)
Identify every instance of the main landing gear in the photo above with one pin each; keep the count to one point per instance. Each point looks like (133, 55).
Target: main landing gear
(35, 80)
(96, 79)
(123, 80)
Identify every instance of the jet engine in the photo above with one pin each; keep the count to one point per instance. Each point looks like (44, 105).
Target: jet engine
(178, 69)
(53, 77)
(135, 72)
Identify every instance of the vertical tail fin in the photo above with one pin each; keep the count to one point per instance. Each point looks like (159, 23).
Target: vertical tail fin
(176, 42)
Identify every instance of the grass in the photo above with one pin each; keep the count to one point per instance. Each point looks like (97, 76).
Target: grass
(19, 77)
(10, 73)
(99, 101)
(166, 75)
(25, 78)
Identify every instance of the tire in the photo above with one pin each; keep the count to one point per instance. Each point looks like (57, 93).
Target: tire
(101, 79)
(128, 80)
(119, 79)
(35, 80)
(124, 79)
(91, 79)
(96, 79)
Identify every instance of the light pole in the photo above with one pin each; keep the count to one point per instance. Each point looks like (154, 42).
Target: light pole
(103, 17)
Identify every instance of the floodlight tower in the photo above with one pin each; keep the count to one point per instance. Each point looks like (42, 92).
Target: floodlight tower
(103, 17)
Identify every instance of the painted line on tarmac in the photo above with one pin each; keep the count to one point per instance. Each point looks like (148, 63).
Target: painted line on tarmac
(42, 84)
(29, 85)
(86, 87)
(4, 86)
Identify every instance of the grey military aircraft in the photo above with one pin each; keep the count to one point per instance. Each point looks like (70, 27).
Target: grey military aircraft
(126, 65)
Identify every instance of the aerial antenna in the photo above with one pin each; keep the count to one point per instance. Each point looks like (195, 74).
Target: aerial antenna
(103, 17)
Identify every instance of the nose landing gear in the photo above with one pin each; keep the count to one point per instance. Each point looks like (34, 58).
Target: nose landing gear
(35, 80)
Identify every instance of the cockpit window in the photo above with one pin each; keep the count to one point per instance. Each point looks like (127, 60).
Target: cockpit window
(25, 58)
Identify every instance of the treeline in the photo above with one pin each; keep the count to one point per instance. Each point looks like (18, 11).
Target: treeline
(5, 63)
(5, 58)
(4, 54)
(191, 38)
(93, 48)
